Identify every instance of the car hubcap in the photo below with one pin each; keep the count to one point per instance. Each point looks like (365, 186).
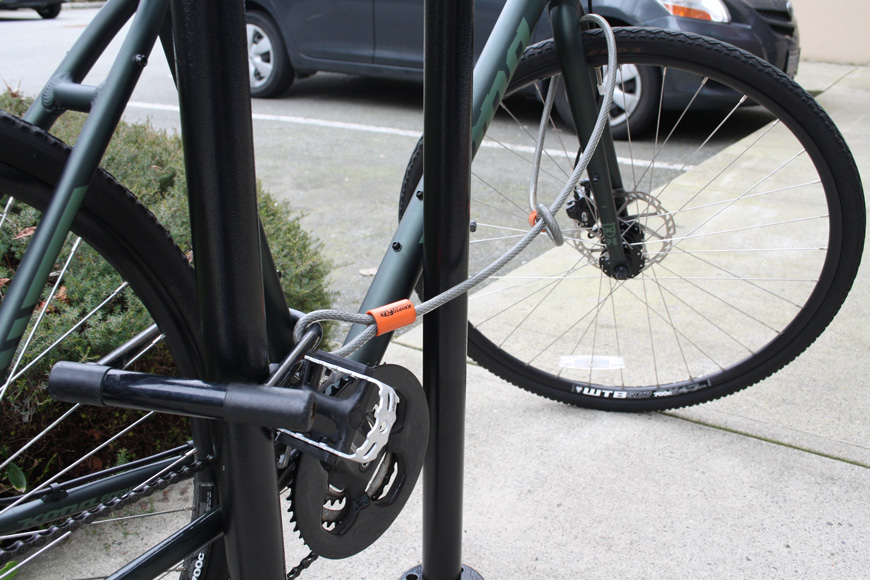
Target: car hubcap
(626, 94)
(259, 56)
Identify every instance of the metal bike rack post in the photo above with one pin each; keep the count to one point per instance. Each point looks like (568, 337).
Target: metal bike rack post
(448, 35)
(214, 96)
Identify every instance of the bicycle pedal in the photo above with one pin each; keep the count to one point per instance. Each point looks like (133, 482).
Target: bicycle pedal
(346, 396)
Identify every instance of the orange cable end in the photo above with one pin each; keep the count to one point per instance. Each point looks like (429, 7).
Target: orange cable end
(392, 316)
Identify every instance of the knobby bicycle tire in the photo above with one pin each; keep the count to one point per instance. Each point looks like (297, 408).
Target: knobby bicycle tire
(125, 234)
(688, 326)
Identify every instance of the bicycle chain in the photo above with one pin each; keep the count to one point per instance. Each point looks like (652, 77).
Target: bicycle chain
(305, 563)
(297, 570)
(43, 537)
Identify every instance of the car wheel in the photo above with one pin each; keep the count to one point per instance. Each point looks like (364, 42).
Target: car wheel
(270, 70)
(634, 100)
(49, 12)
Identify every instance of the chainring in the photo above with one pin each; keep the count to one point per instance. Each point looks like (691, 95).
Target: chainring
(343, 507)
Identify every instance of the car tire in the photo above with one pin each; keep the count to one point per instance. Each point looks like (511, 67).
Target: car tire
(634, 101)
(49, 12)
(270, 70)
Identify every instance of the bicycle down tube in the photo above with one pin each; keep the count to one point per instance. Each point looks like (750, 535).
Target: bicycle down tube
(402, 264)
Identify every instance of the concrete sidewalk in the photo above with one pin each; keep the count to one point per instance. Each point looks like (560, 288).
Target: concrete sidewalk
(769, 483)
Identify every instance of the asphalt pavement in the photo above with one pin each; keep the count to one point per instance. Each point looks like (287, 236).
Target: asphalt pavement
(768, 483)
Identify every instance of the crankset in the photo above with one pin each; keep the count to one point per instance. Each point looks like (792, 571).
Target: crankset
(360, 461)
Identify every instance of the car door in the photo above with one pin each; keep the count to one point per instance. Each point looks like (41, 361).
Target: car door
(398, 34)
(340, 30)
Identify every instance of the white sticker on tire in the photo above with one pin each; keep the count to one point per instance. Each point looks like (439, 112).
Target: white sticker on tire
(588, 362)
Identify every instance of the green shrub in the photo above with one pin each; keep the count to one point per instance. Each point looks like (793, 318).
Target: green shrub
(149, 162)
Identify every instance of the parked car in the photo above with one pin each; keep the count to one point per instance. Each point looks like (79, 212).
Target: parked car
(290, 39)
(45, 8)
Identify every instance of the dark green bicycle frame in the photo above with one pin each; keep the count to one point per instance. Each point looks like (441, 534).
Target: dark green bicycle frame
(401, 266)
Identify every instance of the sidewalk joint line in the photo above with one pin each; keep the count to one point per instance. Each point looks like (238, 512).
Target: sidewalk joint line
(765, 439)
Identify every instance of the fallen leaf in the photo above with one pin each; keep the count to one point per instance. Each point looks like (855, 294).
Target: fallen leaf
(94, 463)
(16, 477)
(26, 233)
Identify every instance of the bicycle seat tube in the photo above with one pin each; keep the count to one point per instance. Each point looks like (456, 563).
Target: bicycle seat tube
(106, 106)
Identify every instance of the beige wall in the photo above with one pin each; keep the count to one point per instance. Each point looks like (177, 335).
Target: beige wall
(834, 30)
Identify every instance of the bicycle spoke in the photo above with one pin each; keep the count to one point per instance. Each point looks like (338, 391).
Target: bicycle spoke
(744, 194)
(686, 338)
(551, 281)
(531, 313)
(709, 137)
(6, 209)
(74, 328)
(731, 200)
(731, 276)
(593, 313)
(659, 148)
(42, 434)
(695, 236)
(520, 212)
(70, 411)
(595, 328)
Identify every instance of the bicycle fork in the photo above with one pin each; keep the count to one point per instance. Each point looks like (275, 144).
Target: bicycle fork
(605, 181)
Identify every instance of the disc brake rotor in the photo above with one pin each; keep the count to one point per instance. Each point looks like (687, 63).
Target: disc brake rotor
(342, 507)
(647, 214)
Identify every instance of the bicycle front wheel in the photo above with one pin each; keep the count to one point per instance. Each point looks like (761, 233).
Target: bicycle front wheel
(741, 258)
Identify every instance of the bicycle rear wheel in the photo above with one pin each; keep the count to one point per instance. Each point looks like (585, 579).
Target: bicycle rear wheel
(147, 280)
(743, 257)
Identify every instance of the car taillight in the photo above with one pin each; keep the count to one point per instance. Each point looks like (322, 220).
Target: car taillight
(709, 10)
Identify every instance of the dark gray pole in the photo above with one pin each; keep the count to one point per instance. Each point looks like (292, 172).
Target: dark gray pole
(446, 168)
(214, 96)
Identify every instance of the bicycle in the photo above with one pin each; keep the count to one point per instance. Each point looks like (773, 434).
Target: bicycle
(651, 263)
